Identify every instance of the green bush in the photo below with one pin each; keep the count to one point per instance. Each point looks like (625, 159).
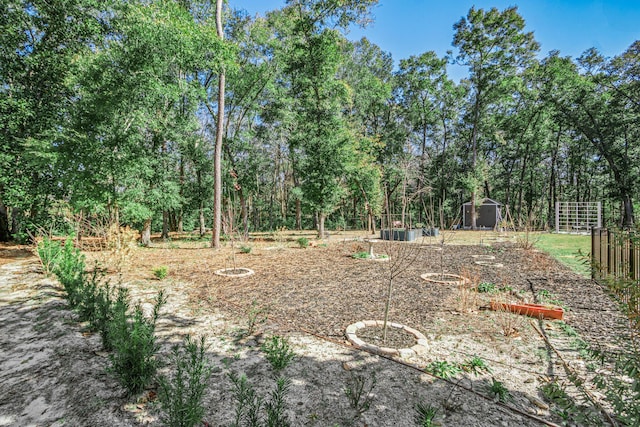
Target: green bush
(425, 414)
(88, 293)
(487, 287)
(361, 255)
(109, 302)
(359, 392)
(134, 344)
(252, 410)
(181, 395)
(476, 366)
(161, 272)
(98, 304)
(278, 352)
(245, 249)
(499, 390)
(69, 268)
(443, 369)
(303, 242)
(48, 252)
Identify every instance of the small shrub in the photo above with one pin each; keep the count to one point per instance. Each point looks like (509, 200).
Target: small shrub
(69, 268)
(161, 272)
(48, 252)
(181, 395)
(553, 392)
(361, 255)
(443, 369)
(487, 287)
(278, 352)
(275, 406)
(303, 242)
(359, 390)
(109, 302)
(256, 315)
(245, 249)
(475, 366)
(134, 344)
(248, 402)
(498, 390)
(88, 295)
(252, 410)
(425, 414)
(120, 242)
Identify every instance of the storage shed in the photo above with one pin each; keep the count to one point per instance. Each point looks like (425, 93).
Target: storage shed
(488, 214)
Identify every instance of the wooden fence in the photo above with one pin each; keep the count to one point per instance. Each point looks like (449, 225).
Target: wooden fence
(615, 257)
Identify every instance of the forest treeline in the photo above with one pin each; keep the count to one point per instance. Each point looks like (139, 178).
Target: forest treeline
(110, 115)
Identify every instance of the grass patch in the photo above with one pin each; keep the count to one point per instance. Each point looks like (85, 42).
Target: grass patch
(569, 249)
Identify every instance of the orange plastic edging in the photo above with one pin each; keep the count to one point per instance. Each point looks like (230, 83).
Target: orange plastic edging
(531, 310)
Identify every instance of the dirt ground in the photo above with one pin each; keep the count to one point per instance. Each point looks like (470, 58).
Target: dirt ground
(54, 373)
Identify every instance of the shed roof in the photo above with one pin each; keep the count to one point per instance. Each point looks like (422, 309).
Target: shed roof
(486, 201)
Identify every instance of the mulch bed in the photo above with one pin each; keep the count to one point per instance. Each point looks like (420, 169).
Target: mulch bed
(323, 289)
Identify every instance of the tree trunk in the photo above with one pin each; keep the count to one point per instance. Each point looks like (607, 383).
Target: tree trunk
(180, 222)
(487, 189)
(165, 225)
(552, 183)
(180, 214)
(474, 157)
(202, 223)
(244, 213)
(5, 236)
(217, 159)
(627, 212)
(15, 223)
(321, 217)
(298, 214)
(145, 235)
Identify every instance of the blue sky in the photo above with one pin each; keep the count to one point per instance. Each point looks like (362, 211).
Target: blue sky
(411, 27)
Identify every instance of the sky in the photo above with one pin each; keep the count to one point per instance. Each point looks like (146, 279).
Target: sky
(411, 27)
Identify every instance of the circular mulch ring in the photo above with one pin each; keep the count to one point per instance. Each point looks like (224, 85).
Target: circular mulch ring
(397, 334)
(444, 279)
(375, 258)
(483, 257)
(490, 264)
(234, 272)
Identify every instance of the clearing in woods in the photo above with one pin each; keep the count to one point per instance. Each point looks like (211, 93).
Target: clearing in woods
(54, 373)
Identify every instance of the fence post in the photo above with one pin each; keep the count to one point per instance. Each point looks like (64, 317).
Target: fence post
(594, 262)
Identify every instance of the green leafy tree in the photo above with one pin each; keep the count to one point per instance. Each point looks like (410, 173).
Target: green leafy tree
(601, 104)
(39, 41)
(367, 72)
(134, 106)
(495, 47)
(428, 107)
(321, 131)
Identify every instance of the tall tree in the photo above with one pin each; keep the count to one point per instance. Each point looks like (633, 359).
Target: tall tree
(425, 94)
(38, 43)
(495, 47)
(132, 113)
(217, 157)
(321, 132)
(367, 72)
(600, 105)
